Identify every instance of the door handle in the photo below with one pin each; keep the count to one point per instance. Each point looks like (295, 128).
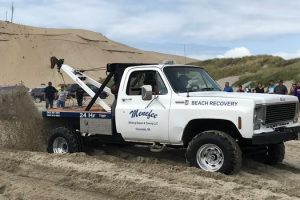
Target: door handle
(126, 99)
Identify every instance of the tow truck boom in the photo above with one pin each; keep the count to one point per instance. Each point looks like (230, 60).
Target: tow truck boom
(81, 79)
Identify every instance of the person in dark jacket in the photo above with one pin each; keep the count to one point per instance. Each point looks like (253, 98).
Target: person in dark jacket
(292, 89)
(259, 88)
(79, 95)
(50, 93)
(297, 91)
(280, 88)
(240, 89)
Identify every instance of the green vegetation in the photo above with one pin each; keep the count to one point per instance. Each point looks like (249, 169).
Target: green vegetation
(253, 68)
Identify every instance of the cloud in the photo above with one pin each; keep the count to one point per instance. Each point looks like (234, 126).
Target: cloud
(234, 20)
(230, 23)
(165, 20)
(237, 52)
(287, 55)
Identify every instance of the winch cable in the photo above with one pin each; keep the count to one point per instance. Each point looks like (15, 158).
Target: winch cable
(81, 70)
(54, 61)
(53, 77)
(62, 77)
(92, 69)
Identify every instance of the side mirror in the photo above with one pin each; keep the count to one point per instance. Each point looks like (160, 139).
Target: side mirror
(146, 92)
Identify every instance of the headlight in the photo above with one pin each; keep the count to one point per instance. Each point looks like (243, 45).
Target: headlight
(259, 114)
(258, 117)
(256, 126)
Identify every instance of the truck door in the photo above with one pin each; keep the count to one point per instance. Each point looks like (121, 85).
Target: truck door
(143, 120)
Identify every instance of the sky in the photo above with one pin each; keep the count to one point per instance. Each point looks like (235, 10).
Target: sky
(200, 29)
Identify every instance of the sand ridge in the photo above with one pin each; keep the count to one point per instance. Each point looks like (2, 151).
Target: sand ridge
(25, 52)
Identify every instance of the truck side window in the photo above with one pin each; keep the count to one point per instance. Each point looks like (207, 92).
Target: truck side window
(139, 78)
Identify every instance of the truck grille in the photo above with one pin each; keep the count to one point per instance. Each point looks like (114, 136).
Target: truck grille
(280, 113)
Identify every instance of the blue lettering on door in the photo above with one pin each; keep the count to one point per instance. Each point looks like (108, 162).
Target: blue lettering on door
(137, 113)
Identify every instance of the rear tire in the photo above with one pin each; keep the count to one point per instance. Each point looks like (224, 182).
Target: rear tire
(62, 140)
(214, 151)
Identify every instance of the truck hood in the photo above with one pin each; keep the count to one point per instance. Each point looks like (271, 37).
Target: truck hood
(256, 97)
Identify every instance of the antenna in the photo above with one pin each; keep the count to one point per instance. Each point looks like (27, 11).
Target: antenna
(6, 16)
(184, 54)
(12, 11)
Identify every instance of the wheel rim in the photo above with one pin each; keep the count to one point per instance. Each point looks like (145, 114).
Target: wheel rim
(210, 157)
(60, 145)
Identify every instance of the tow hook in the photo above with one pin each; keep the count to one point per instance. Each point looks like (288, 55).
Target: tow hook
(157, 147)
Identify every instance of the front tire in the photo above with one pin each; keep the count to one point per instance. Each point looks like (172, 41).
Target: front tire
(214, 151)
(62, 140)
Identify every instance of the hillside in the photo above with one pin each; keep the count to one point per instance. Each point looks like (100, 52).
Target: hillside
(253, 68)
(25, 53)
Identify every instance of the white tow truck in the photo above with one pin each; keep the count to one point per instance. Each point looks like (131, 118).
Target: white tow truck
(177, 106)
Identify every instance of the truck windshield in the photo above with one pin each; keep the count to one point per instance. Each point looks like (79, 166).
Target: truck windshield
(190, 79)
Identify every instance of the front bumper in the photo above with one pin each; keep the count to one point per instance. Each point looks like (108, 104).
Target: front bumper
(279, 135)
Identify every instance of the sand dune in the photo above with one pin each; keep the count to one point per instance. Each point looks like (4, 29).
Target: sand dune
(25, 53)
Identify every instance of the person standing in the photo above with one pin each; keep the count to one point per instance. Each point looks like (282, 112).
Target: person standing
(297, 91)
(259, 88)
(50, 93)
(227, 88)
(280, 88)
(79, 95)
(292, 89)
(271, 87)
(62, 96)
(240, 89)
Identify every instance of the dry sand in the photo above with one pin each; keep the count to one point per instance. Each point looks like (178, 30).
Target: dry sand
(115, 172)
(22, 126)
(25, 53)
(135, 173)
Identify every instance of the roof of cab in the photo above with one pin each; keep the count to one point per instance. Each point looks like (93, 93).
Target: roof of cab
(112, 67)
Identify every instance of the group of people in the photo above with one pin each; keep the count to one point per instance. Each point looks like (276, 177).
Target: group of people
(280, 88)
(51, 94)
